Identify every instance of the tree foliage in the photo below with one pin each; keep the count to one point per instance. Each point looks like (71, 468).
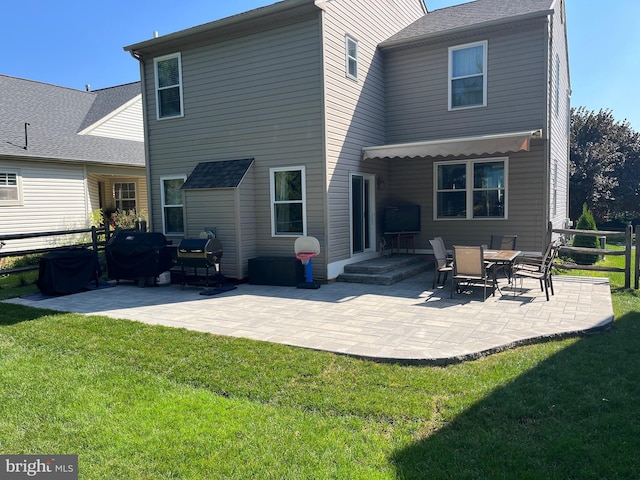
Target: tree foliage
(604, 166)
(585, 222)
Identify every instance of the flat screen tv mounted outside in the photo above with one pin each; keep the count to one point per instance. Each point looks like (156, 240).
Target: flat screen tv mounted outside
(402, 219)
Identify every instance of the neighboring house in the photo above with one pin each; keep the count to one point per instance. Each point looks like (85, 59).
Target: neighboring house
(309, 117)
(65, 153)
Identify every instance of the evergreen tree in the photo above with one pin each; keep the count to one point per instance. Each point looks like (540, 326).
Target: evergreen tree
(585, 222)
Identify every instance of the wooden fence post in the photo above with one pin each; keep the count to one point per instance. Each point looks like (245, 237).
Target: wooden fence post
(627, 257)
(94, 239)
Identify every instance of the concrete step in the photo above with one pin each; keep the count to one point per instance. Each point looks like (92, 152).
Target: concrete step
(384, 271)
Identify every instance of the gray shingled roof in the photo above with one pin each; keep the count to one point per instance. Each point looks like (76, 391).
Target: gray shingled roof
(108, 100)
(222, 174)
(466, 15)
(55, 115)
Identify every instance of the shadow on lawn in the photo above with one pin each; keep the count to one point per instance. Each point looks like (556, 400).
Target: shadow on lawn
(575, 416)
(11, 314)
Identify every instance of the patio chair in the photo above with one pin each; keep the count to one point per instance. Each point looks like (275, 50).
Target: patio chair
(442, 264)
(538, 269)
(503, 242)
(469, 267)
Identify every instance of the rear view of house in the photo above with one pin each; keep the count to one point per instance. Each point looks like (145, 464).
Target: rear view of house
(65, 153)
(311, 117)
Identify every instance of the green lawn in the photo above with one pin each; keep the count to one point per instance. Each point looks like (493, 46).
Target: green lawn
(136, 401)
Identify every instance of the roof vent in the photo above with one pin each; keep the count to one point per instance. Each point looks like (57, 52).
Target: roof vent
(87, 87)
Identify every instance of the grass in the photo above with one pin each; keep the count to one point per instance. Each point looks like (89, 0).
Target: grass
(17, 284)
(137, 401)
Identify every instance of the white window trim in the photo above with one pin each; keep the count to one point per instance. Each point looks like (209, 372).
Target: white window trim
(162, 204)
(157, 86)
(485, 49)
(272, 202)
(19, 201)
(347, 40)
(469, 189)
(135, 191)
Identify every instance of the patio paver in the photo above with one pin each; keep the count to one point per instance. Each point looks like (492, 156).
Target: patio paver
(407, 321)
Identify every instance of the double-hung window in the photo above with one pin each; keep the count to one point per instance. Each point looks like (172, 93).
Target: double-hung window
(351, 57)
(468, 75)
(288, 201)
(10, 191)
(168, 73)
(471, 189)
(124, 194)
(172, 206)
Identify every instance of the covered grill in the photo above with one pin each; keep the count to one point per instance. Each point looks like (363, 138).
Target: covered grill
(203, 252)
(138, 256)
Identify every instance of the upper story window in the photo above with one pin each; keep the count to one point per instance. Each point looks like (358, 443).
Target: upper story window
(468, 75)
(351, 57)
(172, 206)
(168, 73)
(288, 201)
(471, 189)
(124, 194)
(10, 188)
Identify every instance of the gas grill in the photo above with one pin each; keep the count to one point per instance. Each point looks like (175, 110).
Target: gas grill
(200, 253)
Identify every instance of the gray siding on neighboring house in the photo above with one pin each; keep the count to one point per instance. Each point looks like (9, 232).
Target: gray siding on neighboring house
(355, 109)
(417, 86)
(257, 96)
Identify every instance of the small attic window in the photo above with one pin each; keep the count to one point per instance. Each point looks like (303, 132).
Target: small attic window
(351, 57)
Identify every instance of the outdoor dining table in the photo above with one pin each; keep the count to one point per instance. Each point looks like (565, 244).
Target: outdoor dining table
(501, 256)
(504, 258)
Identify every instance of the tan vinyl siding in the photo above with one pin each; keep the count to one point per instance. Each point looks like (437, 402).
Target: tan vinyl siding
(54, 198)
(411, 180)
(559, 115)
(417, 86)
(93, 191)
(202, 214)
(125, 124)
(231, 211)
(246, 217)
(355, 109)
(259, 97)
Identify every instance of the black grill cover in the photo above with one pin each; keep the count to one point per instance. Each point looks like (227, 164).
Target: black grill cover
(135, 255)
(67, 271)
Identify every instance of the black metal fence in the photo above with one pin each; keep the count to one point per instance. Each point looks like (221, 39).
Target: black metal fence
(99, 238)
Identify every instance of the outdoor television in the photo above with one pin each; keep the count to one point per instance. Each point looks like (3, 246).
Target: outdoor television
(402, 219)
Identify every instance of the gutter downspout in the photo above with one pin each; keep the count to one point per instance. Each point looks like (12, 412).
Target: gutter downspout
(147, 164)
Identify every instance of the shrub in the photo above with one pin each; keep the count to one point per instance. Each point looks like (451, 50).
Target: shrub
(585, 222)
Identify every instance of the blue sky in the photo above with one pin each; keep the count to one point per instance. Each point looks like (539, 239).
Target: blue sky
(72, 43)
